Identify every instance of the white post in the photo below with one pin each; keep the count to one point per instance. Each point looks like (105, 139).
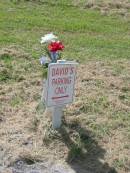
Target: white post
(56, 117)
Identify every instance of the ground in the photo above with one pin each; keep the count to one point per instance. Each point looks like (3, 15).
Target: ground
(95, 135)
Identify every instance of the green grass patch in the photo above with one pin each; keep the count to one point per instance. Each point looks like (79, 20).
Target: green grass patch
(86, 33)
(16, 101)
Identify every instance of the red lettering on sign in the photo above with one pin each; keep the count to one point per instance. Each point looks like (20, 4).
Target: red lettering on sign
(72, 70)
(61, 81)
(60, 90)
(60, 71)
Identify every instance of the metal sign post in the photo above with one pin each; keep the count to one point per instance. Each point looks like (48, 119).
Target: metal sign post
(59, 88)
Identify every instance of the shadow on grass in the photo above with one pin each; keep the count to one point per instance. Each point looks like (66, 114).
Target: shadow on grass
(85, 154)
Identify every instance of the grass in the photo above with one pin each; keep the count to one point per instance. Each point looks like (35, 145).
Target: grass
(95, 125)
(24, 23)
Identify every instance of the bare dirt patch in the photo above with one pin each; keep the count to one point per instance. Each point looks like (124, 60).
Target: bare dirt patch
(95, 132)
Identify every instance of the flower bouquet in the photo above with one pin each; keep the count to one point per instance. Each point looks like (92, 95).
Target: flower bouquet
(52, 49)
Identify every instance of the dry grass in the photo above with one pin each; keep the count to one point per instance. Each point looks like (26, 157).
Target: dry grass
(107, 7)
(94, 126)
(95, 135)
(13, 51)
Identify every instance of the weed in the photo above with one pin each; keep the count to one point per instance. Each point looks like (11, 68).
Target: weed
(75, 152)
(5, 75)
(40, 107)
(34, 124)
(119, 163)
(16, 101)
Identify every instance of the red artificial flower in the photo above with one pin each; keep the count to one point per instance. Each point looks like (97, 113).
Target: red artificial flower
(55, 46)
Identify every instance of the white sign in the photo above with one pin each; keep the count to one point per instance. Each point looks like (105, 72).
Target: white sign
(60, 83)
